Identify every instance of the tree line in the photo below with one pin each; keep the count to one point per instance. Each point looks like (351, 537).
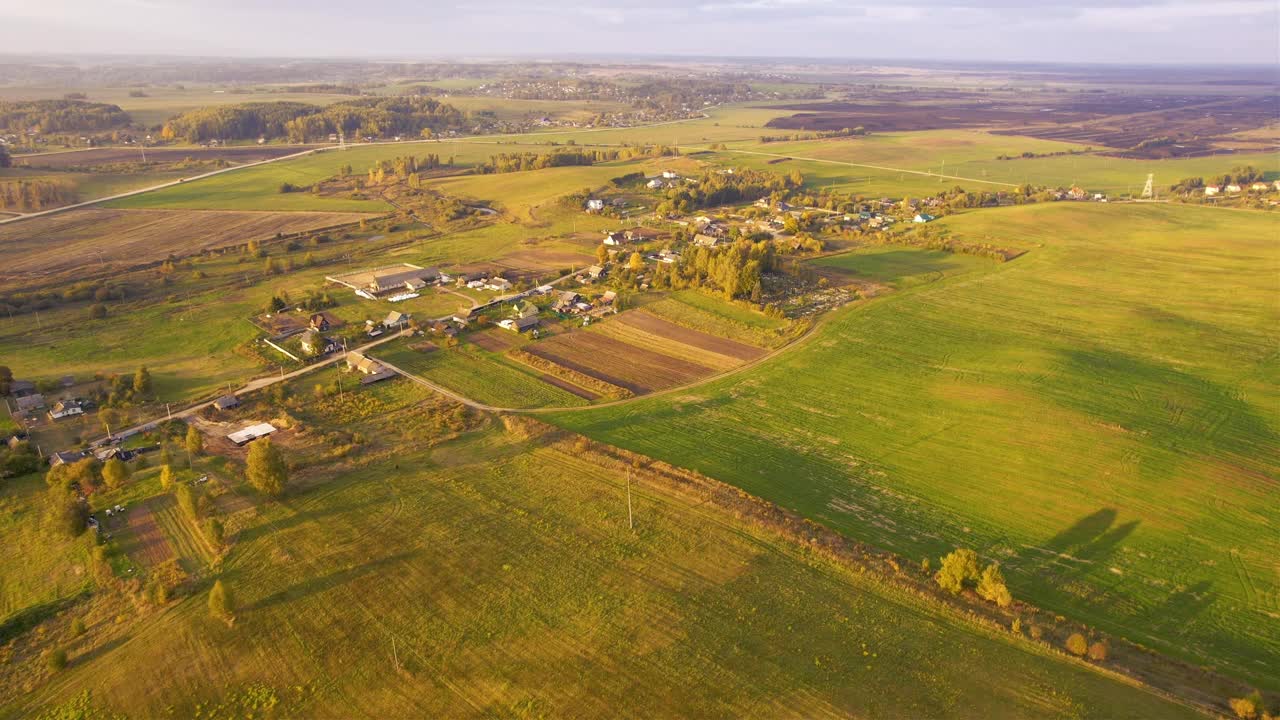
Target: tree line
(303, 122)
(726, 188)
(562, 157)
(33, 195)
(67, 115)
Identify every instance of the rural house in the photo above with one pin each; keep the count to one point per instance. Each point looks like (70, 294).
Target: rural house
(615, 238)
(323, 322)
(440, 327)
(1211, 190)
(596, 272)
(498, 284)
(65, 408)
(705, 240)
(27, 403)
(362, 363)
(524, 310)
(226, 402)
(410, 280)
(313, 343)
(923, 218)
(20, 388)
(65, 457)
(595, 205)
(566, 301)
(395, 319)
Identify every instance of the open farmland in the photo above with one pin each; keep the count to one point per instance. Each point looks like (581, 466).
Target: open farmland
(75, 159)
(1100, 415)
(890, 164)
(706, 314)
(481, 376)
(506, 575)
(901, 267)
(638, 369)
(258, 188)
(62, 241)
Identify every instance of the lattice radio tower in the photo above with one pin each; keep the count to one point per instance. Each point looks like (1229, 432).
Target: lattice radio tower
(1147, 190)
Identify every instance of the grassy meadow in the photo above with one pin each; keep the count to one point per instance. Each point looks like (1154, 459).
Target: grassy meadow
(482, 574)
(1100, 415)
(971, 155)
(480, 375)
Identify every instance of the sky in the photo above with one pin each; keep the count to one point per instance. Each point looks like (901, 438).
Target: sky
(1095, 31)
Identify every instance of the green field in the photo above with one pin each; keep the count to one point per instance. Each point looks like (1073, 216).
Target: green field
(700, 311)
(489, 576)
(902, 267)
(480, 375)
(1102, 415)
(257, 188)
(970, 156)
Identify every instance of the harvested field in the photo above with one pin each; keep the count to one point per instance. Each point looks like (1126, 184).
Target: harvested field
(494, 340)
(650, 323)
(634, 368)
(114, 155)
(567, 386)
(148, 544)
(532, 264)
(68, 240)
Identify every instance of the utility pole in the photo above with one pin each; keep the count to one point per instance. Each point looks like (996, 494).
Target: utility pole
(394, 655)
(168, 412)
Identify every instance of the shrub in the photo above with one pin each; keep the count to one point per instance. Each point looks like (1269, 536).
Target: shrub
(1098, 651)
(187, 501)
(166, 478)
(57, 659)
(1036, 632)
(992, 587)
(214, 531)
(1017, 626)
(958, 569)
(1249, 707)
(221, 604)
(77, 627)
(97, 311)
(1077, 645)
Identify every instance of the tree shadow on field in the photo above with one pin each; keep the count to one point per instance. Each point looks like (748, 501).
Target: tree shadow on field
(1181, 607)
(302, 517)
(1091, 540)
(314, 585)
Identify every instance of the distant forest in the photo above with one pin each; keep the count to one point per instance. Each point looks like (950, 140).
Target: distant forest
(54, 116)
(302, 122)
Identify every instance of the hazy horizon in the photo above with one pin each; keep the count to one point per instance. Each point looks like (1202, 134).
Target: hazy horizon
(1236, 32)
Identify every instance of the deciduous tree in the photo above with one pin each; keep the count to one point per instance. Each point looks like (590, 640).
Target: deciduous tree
(991, 586)
(1077, 645)
(114, 473)
(221, 603)
(266, 469)
(195, 440)
(958, 569)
